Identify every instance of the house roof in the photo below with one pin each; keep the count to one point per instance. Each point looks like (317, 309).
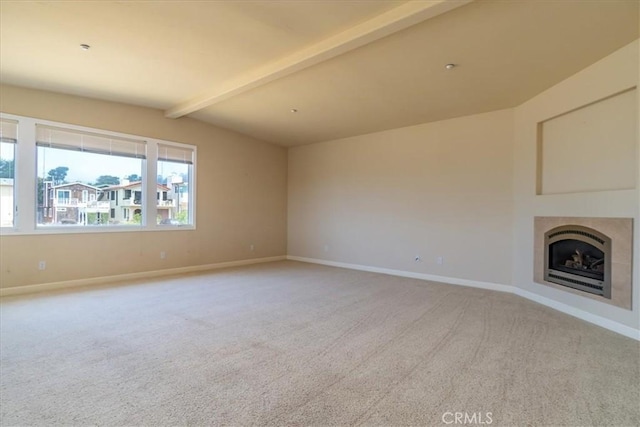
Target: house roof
(132, 185)
(68, 184)
(348, 68)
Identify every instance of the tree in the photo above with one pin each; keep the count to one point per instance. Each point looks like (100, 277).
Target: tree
(57, 175)
(134, 177)
(182, 217)
(7, 168)
(94, 218)
(136, 218)
(107, 180)
(40, 192)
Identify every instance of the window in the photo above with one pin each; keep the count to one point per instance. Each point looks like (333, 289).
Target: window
(74, 163)
(8, 140)
(175, 169)
(72, 179)
(63, 196)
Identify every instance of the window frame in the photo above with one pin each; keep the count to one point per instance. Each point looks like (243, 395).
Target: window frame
(25, 183)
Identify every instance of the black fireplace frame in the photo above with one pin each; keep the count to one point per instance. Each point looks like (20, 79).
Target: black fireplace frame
(586, 235)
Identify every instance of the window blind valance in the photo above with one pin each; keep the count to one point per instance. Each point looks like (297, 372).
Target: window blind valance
(173, 153)
(8, 131)
(68, 139)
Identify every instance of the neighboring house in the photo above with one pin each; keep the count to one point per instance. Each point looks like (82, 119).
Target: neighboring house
(125, 201)
(6, 202)
(179, 193)
(73, 203)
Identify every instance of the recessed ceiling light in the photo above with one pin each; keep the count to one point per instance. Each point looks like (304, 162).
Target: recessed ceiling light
(450, 66)
(293, 110)
(84, 46)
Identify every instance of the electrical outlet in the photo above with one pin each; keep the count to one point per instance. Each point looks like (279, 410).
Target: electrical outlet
(440, 260)
(251, 248)
(163, 255)
(42, 265)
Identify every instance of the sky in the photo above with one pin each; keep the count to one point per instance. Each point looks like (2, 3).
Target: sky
(87, 167)
(6, 151)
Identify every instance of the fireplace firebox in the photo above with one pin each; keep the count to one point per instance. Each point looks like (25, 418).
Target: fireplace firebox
(580, 258)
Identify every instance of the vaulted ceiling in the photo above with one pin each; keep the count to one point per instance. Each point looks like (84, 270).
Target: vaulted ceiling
(347, 67)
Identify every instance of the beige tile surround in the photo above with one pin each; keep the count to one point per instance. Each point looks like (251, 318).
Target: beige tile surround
(620, 230)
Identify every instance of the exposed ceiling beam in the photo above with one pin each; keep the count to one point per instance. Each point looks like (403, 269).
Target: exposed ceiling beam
(387, 23)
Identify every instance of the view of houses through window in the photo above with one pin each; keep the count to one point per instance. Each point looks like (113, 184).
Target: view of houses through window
(106, 189)
(6, 184)
(173, 193)
(8, 139)
(81, 188)
(94, 179)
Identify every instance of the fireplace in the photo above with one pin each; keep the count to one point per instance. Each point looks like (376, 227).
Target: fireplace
(602, 267)
(578, 257)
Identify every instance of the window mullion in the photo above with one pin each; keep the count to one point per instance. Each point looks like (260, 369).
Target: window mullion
(149, 187)
(25, 183)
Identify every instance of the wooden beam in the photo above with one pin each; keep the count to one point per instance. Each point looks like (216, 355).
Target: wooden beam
(387, 23)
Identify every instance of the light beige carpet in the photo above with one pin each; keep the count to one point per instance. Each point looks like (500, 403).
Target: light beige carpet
(297, 344)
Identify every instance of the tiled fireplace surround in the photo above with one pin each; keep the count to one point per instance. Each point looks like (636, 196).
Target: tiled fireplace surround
(619, 230)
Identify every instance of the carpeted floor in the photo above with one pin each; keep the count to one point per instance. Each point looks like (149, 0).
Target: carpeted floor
(298, 344)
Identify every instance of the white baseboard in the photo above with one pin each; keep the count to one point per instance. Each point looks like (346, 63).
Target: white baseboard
(410, 274)
(603, 322)
(19, 290)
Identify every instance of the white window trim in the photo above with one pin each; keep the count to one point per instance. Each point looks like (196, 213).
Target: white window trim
(25, 183)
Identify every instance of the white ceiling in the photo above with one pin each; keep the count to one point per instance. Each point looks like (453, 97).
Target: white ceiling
(366, 65)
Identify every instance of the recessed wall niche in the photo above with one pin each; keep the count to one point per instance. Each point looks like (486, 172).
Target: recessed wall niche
(590, 148)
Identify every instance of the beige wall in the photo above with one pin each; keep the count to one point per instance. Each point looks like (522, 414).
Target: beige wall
(613, 74)
(437, 189)
(241, 199)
